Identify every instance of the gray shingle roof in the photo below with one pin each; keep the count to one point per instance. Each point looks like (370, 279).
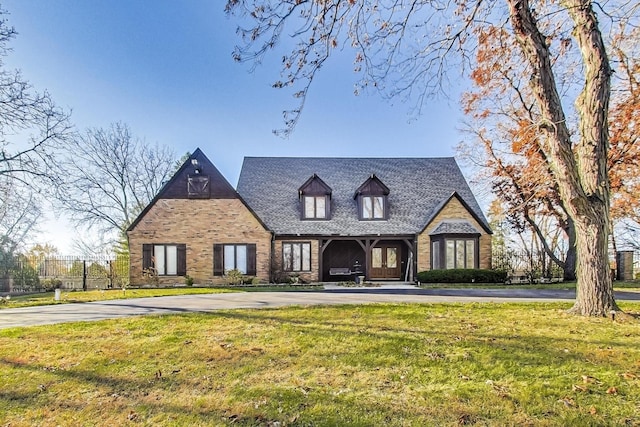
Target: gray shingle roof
(455, 227)
(418, 189)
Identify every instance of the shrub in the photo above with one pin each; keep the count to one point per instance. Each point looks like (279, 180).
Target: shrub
(188, 280)
(26, 277)
(234, 277)
(462, 276)
(51, 284)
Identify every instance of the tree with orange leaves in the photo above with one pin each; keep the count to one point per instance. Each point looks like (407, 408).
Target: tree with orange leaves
(503, 113)
(407, 47)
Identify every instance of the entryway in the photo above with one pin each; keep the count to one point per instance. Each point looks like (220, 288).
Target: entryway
(385, 262)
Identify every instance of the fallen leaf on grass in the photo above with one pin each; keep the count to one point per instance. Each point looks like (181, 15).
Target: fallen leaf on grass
(567, 401)
(629, 376)
(580, 388)
(589, 379)
(132, 416)
(612, 390)
(465, 419)
(593, 410)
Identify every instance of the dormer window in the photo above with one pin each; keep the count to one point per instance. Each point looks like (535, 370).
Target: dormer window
(372, 207)
(372, 200)
(315, 198)
(315, 207)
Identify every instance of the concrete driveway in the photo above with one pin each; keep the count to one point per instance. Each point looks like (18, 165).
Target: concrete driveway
(100, 310)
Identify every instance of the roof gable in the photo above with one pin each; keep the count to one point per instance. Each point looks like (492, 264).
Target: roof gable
(479, 219)
(454, 227)
(314, 186)
(197, 166)
(197, 178)
(372, 187)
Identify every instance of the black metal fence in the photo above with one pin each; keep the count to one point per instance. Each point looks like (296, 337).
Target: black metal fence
(32, 274)
(527, 267)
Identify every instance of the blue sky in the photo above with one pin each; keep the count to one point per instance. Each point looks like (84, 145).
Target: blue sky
(165, 68)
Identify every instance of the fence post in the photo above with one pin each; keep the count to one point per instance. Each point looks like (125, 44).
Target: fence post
(84, 274)
(111, 271)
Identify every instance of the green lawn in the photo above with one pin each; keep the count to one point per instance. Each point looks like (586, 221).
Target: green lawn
(618, 286)
(397, 365)
(47, 298)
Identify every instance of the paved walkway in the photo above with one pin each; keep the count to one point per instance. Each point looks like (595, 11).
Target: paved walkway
(100, 310)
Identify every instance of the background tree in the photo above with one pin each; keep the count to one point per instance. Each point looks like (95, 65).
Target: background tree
(405, 47)
(32, 129)
(624, 122)
(504, 116)
(110, 176)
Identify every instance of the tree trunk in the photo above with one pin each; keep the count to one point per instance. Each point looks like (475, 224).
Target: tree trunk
(569, 268)
(581, 174)
(594, 290)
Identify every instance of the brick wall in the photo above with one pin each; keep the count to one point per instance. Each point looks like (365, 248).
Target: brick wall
(453, 210)
(199, 224)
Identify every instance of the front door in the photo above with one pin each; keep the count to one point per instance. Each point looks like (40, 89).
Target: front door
(385, 262)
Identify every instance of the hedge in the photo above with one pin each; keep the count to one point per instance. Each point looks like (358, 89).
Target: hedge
(462, 276)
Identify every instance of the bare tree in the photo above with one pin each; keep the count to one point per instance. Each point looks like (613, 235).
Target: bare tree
(19, 213)
(407, 47)
(32, 129)
(110, 176)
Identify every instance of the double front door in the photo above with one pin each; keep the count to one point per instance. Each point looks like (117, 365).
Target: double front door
(385, 262)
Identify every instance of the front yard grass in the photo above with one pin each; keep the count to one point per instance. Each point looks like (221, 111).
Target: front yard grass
(47, 298)
(387, 364)
(633, 286)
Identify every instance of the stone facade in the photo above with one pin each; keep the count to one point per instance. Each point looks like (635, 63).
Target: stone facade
(453, 210)
(199, 224)
(197, 211)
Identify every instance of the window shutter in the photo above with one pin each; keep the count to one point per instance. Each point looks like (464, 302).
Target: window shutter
(182, 260)
(218, 260)
(147, 256)
(251, 259)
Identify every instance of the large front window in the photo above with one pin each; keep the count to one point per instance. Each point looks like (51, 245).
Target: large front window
(296, 256)
(454, 252)
(460, 253)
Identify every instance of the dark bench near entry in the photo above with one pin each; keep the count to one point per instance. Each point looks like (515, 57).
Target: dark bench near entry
(340, 272)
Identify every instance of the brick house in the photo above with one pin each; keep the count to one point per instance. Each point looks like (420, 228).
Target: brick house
(321, 219)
